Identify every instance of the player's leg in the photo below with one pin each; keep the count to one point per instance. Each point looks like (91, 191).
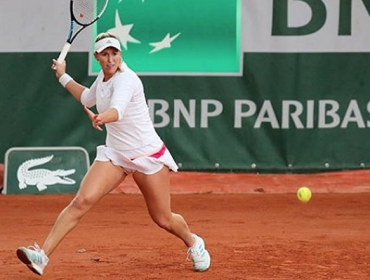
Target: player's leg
(156, 191)
(101, 178)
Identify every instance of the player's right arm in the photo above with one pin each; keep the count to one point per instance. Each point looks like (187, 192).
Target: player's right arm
(69, 84)
(75, 89)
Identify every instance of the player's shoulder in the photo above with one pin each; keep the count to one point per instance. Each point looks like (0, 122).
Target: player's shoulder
(127, 70)
(127, 73)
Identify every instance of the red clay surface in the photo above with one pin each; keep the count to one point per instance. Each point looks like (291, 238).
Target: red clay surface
(201, 182)
(263, 234)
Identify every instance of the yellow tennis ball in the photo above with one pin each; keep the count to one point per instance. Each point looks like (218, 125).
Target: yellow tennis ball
(304, 194)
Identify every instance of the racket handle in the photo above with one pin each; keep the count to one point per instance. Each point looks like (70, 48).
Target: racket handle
(64, 52)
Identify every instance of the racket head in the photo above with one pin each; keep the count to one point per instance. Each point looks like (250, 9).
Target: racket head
(86, 12)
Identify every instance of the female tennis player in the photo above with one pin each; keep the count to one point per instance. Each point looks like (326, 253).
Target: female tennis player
(132, 147)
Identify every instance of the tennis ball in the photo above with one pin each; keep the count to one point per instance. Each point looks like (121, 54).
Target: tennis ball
(304, 194)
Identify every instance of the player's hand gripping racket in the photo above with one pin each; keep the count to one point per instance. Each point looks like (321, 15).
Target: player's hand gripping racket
(83, 13)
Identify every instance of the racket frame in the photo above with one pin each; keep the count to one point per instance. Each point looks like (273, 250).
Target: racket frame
(71, 34)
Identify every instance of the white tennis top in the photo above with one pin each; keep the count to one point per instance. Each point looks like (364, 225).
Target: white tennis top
(124, 92)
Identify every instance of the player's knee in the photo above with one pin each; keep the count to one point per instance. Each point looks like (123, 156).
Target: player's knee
(163, 222)
(82, 203)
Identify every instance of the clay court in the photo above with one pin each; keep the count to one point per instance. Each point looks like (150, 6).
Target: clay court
(254, 227)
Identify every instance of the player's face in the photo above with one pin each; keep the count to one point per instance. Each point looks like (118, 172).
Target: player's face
(110, 60)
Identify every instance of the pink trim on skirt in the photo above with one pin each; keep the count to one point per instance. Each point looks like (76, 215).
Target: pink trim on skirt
(147, 164)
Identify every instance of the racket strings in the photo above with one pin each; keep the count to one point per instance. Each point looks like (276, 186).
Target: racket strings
(87, 11)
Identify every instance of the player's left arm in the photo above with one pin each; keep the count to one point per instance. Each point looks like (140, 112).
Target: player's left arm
(121, 96)
(98, 120)
(123, 91)
(111, 115)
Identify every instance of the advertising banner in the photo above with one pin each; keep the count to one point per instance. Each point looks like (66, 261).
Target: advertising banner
(231, 85)
(183, 37)
(44, 170)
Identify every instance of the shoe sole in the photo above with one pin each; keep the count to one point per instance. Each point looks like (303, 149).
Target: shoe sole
(22, 256)
(203, 269)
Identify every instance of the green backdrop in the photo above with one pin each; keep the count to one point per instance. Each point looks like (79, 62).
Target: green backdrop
(37, 111)
(262, 111)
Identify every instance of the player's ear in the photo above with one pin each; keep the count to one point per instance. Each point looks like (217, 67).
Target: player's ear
(96, 56)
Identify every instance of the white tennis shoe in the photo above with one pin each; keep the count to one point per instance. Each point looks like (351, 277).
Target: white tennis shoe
(199, 255)
(34, 257)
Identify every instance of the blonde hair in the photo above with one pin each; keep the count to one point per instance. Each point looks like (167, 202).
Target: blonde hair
(104, 35)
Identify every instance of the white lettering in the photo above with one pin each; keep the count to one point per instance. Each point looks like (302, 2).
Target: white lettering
(368, 110)
(332, 113)
(310, 113)
(240, 114)
(206, 113)
(161, 112)
(353, 114)
(322, 114)
(180, 109)
(294, 114)
(267, 115)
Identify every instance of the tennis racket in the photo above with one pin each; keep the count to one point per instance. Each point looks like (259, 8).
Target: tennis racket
(83, 13)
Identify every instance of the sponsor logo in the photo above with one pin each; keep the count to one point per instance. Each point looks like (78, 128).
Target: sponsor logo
(183, 37)
(287, 114)
(29, 173)
(44, 170)
(307, 26)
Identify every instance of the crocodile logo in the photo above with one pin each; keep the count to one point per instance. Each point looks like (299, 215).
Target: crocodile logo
(41, 178)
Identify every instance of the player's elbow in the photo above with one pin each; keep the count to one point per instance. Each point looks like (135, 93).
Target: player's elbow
(116, 114)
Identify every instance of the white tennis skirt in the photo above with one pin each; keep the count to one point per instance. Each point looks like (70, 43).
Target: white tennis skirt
(148, 162)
